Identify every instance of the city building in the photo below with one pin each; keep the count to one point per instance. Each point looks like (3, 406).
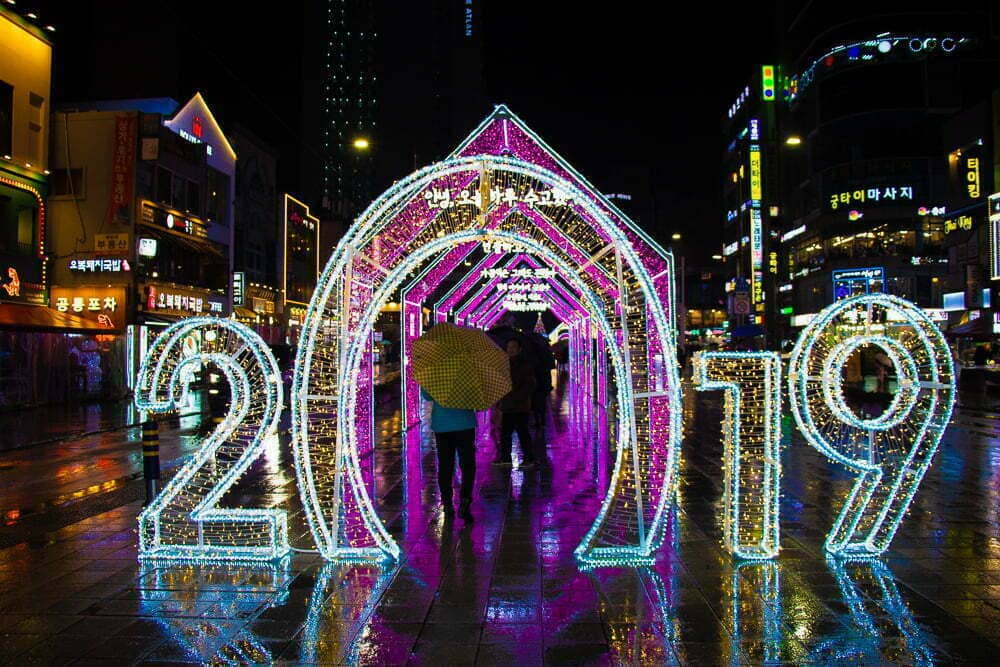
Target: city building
(750, 199)
(142, 217)
(864, 186)
(31, 355)
(301, 243)
(349, 105)
(258, 259)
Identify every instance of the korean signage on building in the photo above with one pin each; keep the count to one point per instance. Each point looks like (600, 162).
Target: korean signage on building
(239, 278)
(111, 244)
(756, 182)
(122, 171)
(179, 301)
(962, 222)
(99, 265)
(972, 177)
(875, 194)
(156, 216)
(104, 307)
(995, 236)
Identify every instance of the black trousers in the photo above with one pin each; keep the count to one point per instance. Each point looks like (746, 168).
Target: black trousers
(448, 444)
(516, 421)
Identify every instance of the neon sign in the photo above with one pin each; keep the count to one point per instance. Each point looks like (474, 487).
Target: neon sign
(871, 194)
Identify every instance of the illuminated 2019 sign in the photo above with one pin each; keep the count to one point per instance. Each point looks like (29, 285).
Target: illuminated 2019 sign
(331, 425)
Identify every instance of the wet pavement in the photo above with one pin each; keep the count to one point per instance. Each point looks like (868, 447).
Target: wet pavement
(505, 589)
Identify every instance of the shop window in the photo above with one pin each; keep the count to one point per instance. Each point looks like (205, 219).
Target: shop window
(25, 230)
(193, 197)
(69, 183)
(163, 184)
(6, 118)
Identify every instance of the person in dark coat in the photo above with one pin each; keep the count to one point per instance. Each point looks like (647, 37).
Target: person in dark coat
(455, 433)
(516, 408)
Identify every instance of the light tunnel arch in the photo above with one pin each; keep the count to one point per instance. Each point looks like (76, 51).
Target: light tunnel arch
(341, 329)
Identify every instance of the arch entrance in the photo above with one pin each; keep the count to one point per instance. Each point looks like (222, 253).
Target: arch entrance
(502, 186)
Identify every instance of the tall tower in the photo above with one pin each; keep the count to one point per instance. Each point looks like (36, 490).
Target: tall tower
(349, 106)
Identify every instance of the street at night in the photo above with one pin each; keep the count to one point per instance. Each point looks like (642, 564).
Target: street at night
(481, 332)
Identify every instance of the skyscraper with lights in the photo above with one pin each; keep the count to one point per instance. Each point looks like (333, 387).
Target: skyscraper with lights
(349, 106)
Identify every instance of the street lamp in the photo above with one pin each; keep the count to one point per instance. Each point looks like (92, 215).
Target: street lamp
(793, 140)
(360, 143)
(676, 236)
(717, 258)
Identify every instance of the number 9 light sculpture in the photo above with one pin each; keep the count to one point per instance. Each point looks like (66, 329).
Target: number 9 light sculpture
(890, 452)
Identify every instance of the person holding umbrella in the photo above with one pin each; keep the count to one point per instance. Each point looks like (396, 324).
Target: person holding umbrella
(516, 407)
(460, 370)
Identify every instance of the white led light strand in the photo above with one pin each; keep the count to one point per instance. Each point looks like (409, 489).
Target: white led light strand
(751, 433)
(890, 452)
(183, 521)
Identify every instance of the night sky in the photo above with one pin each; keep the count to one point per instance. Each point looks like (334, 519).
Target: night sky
(632, 98)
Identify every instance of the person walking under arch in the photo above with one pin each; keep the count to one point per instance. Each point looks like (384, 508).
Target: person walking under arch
(455, 433)
(516, 408)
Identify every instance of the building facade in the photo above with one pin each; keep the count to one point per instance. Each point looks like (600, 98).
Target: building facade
(34, 362)
(144, 228)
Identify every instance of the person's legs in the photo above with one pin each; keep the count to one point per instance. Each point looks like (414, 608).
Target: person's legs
(507, 422)
(446, 466)
(524, 437)
(465, 445)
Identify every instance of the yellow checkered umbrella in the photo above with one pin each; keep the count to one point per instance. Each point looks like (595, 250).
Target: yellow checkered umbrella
(461, 368)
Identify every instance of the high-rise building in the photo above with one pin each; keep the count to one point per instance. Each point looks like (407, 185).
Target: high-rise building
(751, 200)
(859, 182)
(349, 105)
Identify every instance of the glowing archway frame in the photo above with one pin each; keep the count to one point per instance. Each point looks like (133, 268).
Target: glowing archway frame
(183, 521)
(890, 453)
(392, 238)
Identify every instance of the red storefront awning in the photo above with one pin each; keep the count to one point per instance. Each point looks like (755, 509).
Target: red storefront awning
(42, 318)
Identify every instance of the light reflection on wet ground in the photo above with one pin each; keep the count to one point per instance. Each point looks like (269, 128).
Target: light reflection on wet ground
(505, 589)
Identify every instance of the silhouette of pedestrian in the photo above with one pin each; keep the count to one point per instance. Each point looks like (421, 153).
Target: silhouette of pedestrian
(455, 433)
(516, 408)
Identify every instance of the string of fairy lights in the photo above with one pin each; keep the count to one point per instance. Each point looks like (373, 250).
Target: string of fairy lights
(751, 433)
(397, 254)
(604, 264)
(890, 453)
(184, 521)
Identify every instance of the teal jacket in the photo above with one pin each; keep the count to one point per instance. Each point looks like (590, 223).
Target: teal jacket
(445, 420)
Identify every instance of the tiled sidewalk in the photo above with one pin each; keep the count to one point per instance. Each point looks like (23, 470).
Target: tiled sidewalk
(506, 590)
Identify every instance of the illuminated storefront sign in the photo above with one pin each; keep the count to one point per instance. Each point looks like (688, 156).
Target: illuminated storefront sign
(767, 83)
(739, 101)
(179, 301)
(855, 282)
(187, 136)
(923, 261)
(792, 233)
(754, 129)
(772, 263)
(731, 248)
(756, 183)
(995, 236)
(147, 247)
(962, 222)
(238, 284)
(111, 244)
(445, 198)
(301, 251)
(100, 265)
(873, 194)
(102, 306)
(156, 216)
(953, 301)
(972, 178)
